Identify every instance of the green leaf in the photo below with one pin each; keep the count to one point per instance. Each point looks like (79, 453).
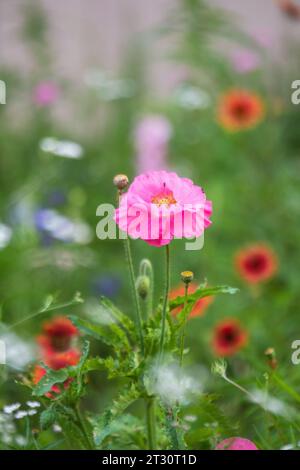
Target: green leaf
(103, 426)
(200, 293)
(111, 335)
(48, 417)
(51, 378)
(123, 319)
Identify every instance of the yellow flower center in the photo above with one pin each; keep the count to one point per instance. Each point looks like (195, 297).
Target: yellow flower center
(164, 199)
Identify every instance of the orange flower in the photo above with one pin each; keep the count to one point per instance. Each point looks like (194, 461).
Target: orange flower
(199, 307)
(240, 109)
(257, 263)
(229, 337)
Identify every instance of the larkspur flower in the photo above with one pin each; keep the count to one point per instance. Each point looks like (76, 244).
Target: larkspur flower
(200, 306)
(160, 206)
(59, 227)
(108, 285)
(151, 138)
(239, 110)
(256, 263)
(236, 443)
(229, 337)
(45, 93)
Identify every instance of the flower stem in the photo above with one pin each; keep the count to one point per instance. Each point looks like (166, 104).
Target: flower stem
(134, 292)
(151, 423)
(186, 288)
(165, 303)
(83, 428)
(147, 270)
(132, 282)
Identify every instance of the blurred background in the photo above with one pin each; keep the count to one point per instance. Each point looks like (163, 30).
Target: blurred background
(124, 86)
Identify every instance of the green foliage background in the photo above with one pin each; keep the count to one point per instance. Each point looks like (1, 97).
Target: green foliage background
(253, 180)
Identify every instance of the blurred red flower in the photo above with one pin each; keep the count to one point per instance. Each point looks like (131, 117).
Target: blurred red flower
(289, 8)
(229, 337)
(57, 351)
(240, 109)
(57, 335)
(56, 361)
(256, 263)
(199, 307)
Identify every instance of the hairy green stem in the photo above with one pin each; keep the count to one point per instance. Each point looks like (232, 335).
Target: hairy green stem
(147, 270)
(133, 285)
(186, 288)
(82, 425)
(151, 423)
(134, 292)
(165, 303)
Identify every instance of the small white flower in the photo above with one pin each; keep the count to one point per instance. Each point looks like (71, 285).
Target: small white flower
(190, 97)
(56, 428)
(21, 441)
(61, 148)
(21, 414)
(5, 235)
(9, 409)
(190, 418)
(33, 404)
(31, 412)
(18, 352)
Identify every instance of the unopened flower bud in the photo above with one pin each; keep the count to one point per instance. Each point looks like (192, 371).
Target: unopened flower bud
(187, 276)
(271, 356)
(121, 181)
(143, 286)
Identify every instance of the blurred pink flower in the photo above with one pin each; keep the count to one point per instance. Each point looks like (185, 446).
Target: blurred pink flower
(236, 443)
(263, 37)
(45, 93)
(160, 206)
(245, 61)
(151, 138)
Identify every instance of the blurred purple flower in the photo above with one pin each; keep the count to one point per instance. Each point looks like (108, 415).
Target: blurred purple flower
(62, 228)
(151, 138)
(245, 61)
(108, 286)
(57, 197)
(45, 93)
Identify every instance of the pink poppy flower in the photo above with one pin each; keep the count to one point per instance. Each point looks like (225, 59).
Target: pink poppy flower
(151, 138)
(236, 443)
(45, 93)
(160, 206)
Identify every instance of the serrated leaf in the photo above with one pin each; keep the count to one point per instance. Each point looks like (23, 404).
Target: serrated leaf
(121, 317)
(111, 335)
(103, 425)
(200, 293)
